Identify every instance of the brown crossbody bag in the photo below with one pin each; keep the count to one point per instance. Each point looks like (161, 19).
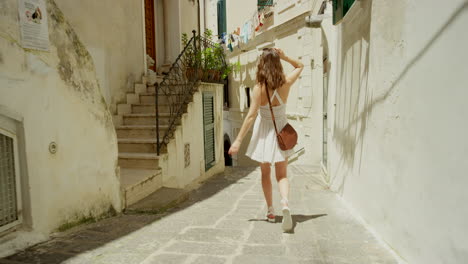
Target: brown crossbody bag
(287, 137)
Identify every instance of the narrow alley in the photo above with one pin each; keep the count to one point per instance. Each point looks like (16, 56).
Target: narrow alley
(223, 222)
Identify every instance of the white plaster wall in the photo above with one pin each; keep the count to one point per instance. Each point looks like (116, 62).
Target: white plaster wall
(211, 15)
(57, 96)
(191, 131)
(173, 34)
(113, 32)
(329, 43)
(397, 148)
(188, 16)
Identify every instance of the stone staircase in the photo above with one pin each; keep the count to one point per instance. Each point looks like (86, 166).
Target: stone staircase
(136, 133)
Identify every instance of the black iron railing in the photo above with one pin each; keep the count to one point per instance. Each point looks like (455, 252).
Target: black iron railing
(200, 60)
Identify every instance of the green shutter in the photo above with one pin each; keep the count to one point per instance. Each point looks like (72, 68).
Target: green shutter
(340, 8)
(209, 129)
(262, 3)
(222, 27)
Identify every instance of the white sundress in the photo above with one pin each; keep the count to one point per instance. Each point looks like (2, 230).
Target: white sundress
(263, 146)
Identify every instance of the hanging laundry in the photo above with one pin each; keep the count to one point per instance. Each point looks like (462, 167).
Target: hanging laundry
(229, 45)
(255, 20)
(245, 33)
(262, 18)
(251, 29)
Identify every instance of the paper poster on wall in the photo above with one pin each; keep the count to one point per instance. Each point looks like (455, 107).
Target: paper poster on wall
(33, 24)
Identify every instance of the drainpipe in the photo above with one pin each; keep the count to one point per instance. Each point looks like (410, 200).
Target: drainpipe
(199, 20)
(205, 14)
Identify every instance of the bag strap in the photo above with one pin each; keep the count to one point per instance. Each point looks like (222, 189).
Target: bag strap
(271, 110)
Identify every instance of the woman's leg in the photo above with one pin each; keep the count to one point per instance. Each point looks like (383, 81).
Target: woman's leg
(283, 184)
(266, 183)
(281, 177)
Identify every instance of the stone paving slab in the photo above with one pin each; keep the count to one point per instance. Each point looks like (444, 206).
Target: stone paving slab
(223, 222)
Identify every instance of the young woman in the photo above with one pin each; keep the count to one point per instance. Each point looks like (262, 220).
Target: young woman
(263, 145)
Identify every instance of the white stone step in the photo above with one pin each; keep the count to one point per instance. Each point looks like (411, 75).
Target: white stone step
(146, 119)
(139, 183)
(163, 107)
(150, 98)
(139, 131)
(137, 145)
(130, 160)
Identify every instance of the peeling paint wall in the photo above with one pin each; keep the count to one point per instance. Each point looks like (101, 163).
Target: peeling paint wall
(175, 175)
(57, 96)
(112, 32)
(397, 143)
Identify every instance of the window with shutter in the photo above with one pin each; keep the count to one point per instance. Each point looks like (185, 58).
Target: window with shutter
(261, 4)
(209, 129)
(221, 17)
(340, 8)
(8, 181)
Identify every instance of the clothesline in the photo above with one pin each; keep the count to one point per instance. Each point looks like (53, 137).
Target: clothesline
(243, 34)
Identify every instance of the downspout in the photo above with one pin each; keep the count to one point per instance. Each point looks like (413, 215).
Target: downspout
(205, 12)
(199, 20)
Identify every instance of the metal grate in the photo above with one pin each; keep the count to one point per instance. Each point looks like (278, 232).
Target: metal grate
(208, 122)
(8, 202)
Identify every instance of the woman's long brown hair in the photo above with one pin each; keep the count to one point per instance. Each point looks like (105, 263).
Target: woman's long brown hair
(269, 70)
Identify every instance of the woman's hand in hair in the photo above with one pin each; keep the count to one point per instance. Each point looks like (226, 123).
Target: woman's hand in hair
(280, 53)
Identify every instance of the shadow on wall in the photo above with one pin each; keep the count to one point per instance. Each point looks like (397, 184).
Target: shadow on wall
(245, 78)
(353, 90)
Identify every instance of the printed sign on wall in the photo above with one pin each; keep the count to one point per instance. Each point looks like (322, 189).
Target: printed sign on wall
(33, 24)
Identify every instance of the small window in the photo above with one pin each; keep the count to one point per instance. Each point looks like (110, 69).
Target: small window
(340, 8)
(10, 201)
(221, 18)
(261, 4)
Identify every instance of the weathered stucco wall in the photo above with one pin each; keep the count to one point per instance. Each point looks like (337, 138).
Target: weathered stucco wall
(397, 151)
(287, 31)
(57, 96)
(175, 174)
(112, 31)
(188, 16)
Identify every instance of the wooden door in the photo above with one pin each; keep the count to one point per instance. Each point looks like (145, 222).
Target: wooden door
(150, 30)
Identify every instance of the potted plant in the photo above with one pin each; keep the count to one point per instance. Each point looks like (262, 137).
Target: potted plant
(191, 60)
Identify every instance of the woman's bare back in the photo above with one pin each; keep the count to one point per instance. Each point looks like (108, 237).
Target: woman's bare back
(282, 92)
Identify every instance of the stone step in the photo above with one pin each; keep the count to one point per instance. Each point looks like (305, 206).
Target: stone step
(138, 160)
(150, 98)
(174, 87)
(138, 184)
(163, 69)
(137, 145)
(164, 107)
(146, 119)
(139, 131)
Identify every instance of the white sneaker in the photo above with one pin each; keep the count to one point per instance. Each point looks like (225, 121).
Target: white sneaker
(287, 224)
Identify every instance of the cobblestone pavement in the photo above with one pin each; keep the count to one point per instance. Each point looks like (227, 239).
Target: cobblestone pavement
(223, 222)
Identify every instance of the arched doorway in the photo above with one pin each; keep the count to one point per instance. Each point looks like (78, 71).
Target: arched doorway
(227, 145)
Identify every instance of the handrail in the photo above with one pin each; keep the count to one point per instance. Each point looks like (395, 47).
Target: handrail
(194, 64)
